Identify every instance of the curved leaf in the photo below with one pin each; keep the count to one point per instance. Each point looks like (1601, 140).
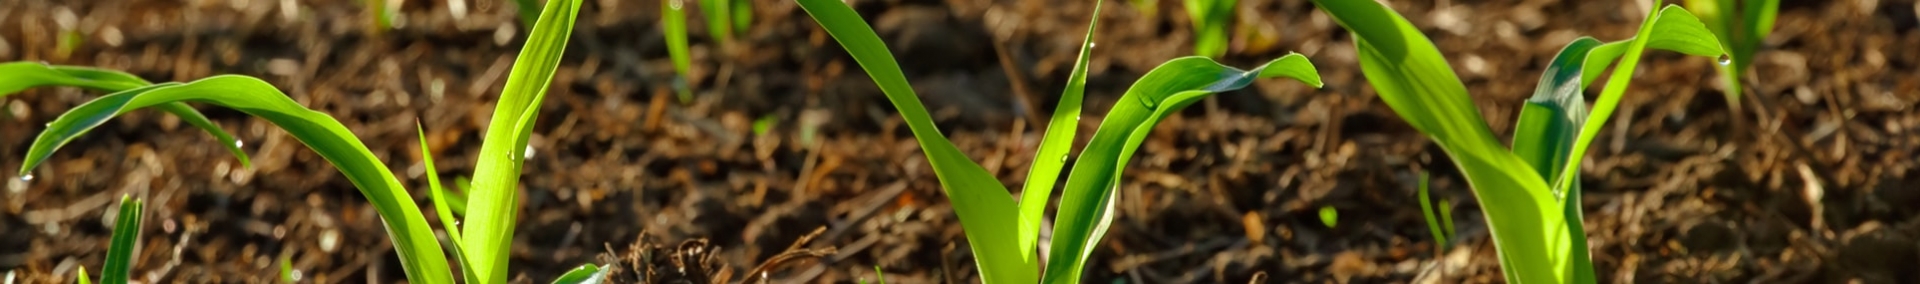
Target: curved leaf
(494, 203)
(1413, 79)
(585, 274)
(1671, 28)
(1057, 142)
(1544, 138)
(19, 76)
(413, 240)
(126, 237)
(1086, 205)
(983, 204)
(442, 205)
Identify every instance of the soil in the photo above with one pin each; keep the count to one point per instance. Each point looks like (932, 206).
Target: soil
(1812, 182)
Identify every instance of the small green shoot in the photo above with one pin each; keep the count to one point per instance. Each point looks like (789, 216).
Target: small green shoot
(1211, 19)
(673, 22)
(482, 251)
(585, 274)
(126, 238)
(764, 124)
(1530, 193)
(1329, 216)
(1434, 224)
(1004, 234)
(83, 279)
(287, 275)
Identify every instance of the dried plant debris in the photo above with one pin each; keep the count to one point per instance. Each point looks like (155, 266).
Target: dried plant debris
(698, 261)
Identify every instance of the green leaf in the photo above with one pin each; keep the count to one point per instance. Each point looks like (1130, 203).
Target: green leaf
(1210, 19)
(719, 19)
(674, 23)
(442, 205)
(1057, 142)
(585, 274)
(83, 279)
(497, 173)
(1544, 138)
(286, 269)
(983, 204)
(1086, 205)
(1416, 82)
(126, 237)
(413, 240)
(1671, 28)
(742, 16)
(20, 76)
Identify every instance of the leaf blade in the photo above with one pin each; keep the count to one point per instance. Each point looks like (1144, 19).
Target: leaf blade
(1056, 142)
(26, 75)
(420, 254)
(494, 202)
(126, 235)
(1086, 204)
(982, 203)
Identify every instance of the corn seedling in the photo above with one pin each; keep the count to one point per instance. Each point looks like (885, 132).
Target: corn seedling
(1530, 193)
(126, 234)
(726, 17)
(1442, 226)
(1004, 234)
(1210, 19)
(1742, 26)
(482, 253)
(673, 22)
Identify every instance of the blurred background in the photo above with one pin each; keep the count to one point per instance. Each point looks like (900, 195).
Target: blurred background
(784, 134)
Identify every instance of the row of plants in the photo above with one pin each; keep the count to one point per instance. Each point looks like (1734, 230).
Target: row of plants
(1529, 192)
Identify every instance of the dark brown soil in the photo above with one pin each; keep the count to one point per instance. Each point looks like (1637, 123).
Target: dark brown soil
(1812, 183)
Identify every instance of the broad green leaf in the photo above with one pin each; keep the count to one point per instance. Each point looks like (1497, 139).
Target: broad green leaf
(984, 206)
(442, 205)
(1409, 74)
(19, 76)
(494, 203)
(585, 274)
(1544, 138)
(1057, 142)
(126, 237)
(413, 240)
(673, 22)
(1086, 204)
(1544, 134)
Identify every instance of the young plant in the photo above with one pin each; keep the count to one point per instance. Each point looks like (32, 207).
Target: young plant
(673, 22)
(1210, 19)
(1530, 193)
(726, 17)
(1441, 226)
(1742, 26)
(482, 253)
(1004, 234)
(126, 234)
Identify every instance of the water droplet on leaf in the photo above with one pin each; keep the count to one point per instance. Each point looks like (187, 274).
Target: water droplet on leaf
(1726, 60)
(1063, 158)
(239, 144)
(1149, 102)
(26, 178)
(528, 154)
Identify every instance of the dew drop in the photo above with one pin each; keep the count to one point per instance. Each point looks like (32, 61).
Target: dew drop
(26, 178)
(1063, 158)
(239, 144)
(1726, 60)
(1091, 45)
(528, 154)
